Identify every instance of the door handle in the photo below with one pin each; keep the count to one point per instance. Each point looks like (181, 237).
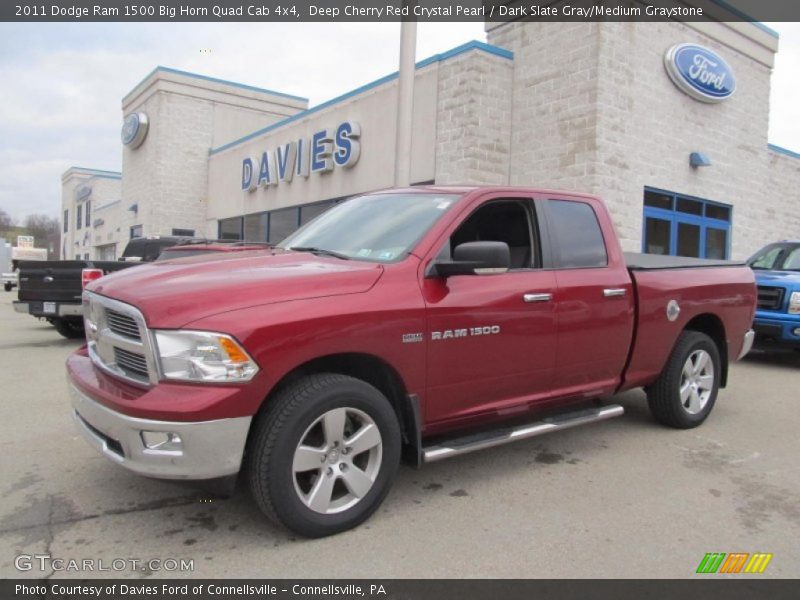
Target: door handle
(613, 292)
(537, 297)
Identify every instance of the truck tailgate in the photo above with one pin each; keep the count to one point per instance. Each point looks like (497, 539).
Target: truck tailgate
(55, 281)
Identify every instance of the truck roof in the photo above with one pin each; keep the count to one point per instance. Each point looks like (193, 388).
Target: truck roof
(465, 189)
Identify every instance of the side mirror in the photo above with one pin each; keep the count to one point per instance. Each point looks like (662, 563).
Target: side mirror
(476, 258)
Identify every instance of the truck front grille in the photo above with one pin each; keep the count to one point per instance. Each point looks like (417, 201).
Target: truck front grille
(122, 324)
(132, 363)
(118, 340)
(770, 298)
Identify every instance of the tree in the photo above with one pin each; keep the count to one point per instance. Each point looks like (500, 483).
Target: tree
(42, 227)
(6, 222)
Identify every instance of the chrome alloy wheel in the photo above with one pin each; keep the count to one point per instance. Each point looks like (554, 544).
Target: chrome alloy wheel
(697, 381)
(337, 460)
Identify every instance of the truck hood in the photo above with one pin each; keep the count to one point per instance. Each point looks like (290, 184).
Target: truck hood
(176, 292)
(783, 278)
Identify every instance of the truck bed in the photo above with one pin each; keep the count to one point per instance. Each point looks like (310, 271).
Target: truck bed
(58, 280)
(654, 262)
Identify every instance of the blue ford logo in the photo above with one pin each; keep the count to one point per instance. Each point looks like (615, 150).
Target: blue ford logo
(700, 73)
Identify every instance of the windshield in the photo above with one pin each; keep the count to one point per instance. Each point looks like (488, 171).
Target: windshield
(380, 228)
(777, 257)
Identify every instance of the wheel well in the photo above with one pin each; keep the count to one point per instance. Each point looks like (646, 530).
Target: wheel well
(366, 367)
(712, 326)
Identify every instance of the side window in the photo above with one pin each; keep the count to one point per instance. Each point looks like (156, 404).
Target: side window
(152, 250)
(499, 221)
(576, 233)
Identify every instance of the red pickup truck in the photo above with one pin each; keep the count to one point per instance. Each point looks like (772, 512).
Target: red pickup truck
(424, 322)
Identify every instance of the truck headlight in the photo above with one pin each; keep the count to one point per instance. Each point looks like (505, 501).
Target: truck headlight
(203, 356)
(794, 303)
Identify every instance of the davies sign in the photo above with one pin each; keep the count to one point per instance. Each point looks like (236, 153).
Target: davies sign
(700, 73)
(325, 149)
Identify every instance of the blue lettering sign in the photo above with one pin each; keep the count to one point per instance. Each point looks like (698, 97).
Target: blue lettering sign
(321, 151)
(285, 158)
(348, 148)
(247, 173)
(325, 149)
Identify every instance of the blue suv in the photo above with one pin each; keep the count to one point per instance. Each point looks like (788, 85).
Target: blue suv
(777, 269)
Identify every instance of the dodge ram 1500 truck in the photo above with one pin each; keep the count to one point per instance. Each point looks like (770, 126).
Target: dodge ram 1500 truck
(423, 322)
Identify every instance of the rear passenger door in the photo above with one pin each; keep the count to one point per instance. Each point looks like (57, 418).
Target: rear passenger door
(594, 300)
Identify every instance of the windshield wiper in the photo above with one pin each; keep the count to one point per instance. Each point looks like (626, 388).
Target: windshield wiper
(322, 251)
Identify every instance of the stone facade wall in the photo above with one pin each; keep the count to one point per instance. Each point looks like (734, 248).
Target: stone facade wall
(554, 103)
(595, 111)
(781, 216)
(473, 119)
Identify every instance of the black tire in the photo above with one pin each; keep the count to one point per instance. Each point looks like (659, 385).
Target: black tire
(287, 420)
(69, 328)
(8, 286)
(664, 396)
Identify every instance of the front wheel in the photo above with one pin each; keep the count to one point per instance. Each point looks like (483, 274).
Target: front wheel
(8, 286)
(324, 454)
(685, 392)
(70, 329)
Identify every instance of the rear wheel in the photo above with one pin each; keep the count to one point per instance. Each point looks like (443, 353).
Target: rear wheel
(684, 394)
(69, 328)
(8, 286)
(324, 454)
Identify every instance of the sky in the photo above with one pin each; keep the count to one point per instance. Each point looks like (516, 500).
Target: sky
(60, 101)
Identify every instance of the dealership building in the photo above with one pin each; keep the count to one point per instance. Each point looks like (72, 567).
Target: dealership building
(666, 121)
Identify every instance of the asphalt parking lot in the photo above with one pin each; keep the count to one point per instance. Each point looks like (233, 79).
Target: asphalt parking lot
(621, 498)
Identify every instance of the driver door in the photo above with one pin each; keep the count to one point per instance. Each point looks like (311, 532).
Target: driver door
(491, 338)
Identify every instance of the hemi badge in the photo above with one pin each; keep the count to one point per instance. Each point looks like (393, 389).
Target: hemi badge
(412, 338)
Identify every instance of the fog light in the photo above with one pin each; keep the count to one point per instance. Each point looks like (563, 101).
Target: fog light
(796, 331)
(163, 441)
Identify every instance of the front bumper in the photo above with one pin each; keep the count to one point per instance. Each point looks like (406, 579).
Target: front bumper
(54, 309)
(747, 344)
(208, 449)
(780, 329)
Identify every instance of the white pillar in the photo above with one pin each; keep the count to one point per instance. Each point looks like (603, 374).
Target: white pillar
(405, 103)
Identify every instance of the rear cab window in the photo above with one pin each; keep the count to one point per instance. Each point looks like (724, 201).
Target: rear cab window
(578, 241)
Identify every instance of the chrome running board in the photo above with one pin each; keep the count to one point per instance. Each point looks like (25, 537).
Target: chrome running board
(471, 443)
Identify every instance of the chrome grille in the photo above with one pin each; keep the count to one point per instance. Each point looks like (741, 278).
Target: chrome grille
(122, 324)
(132, 363)
(770, 298)
(118, 340)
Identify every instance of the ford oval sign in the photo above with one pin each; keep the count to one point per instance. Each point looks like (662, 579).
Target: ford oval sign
(700, 72)
(134, 129)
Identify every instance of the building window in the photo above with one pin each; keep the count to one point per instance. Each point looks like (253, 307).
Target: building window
(282, 223)
(256, 227)
(136, 231)
(66, 220)
(88, 213)
(230, 229)
(183, 232)
(680, 225)
(311, 211)
(79, 216)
